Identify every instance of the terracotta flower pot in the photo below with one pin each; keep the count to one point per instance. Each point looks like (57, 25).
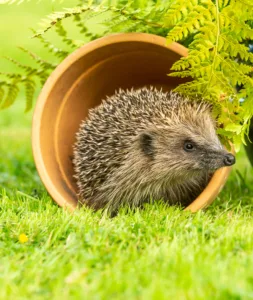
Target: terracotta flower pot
(80, 82)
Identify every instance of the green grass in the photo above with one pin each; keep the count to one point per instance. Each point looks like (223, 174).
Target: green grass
(156, 253)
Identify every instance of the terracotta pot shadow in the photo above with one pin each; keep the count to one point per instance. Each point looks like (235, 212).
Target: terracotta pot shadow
(80, 82)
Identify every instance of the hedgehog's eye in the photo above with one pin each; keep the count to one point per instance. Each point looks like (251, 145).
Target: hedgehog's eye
(189, 146)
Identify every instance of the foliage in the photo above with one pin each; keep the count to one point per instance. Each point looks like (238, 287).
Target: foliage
(217, 34)
(218, 58)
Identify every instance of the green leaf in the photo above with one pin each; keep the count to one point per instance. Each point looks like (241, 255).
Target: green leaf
(234, 128)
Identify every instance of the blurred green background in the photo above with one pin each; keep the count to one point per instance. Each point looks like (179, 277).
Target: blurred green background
(16, 22)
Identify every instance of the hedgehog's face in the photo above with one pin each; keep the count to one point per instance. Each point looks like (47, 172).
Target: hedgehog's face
(184, 150)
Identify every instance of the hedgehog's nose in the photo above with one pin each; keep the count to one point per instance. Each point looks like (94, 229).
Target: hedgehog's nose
(229, 159)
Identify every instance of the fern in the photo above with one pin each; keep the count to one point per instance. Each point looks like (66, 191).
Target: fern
(124, 15)
(56, 51)
(11, 86)
(217, 59)
(217, 33)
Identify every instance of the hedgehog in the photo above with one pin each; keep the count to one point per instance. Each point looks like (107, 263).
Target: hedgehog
(145, 145)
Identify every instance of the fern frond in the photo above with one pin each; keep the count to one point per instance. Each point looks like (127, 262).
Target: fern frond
(120, 15)
(63, 34)
(57, 17)
(10, 87)
(12, 94)
(56, 51)
(26, 68)
(145, 17)
(235, 49)
(220, 31)
(2, 92)
(30, 86)
(41, 62)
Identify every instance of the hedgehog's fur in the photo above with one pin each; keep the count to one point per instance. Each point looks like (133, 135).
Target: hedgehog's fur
(131, 149)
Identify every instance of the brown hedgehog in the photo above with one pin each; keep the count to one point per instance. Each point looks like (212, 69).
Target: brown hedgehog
(146, 144)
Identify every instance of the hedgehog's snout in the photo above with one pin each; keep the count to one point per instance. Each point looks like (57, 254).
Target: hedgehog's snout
(219, 159)
(229, 159)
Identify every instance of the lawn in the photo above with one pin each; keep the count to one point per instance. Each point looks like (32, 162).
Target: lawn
(155, 253)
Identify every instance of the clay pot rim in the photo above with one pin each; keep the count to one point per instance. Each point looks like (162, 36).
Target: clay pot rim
(218, 179)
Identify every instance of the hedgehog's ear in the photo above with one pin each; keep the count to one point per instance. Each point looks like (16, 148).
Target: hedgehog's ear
(146, 140)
